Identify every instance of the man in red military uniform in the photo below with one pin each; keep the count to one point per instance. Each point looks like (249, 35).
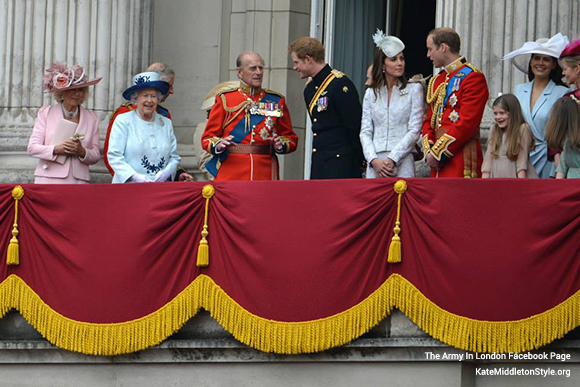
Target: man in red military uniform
(168, 75)
(456, 98)
(247, 127)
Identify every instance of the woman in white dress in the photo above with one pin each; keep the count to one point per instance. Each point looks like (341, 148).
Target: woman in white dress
(393, 111)
(142, 145)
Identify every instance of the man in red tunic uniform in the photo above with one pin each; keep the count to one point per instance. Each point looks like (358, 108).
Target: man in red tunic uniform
(456, 98)
(247, 127)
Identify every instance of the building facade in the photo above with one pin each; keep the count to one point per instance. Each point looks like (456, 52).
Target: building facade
(115, 39)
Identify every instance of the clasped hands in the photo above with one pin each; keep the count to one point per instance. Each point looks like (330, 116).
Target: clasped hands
(159, 177)
(384, 168)
(70, 147)
(433, 162)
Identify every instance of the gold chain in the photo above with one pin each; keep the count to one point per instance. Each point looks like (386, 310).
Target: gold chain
(439, 96)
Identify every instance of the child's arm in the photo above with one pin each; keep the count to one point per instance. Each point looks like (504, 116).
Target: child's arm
(487, 160)
(562, 169)
(526, 142)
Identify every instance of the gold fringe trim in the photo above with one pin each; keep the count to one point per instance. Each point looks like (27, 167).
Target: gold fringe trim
(98, 339)
(289, 337)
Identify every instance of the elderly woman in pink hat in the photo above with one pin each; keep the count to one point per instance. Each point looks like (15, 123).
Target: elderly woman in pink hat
(65, 137)
(570, 59)
(539, 60)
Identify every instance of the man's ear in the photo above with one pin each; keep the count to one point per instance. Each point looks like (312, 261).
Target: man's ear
(444, 48)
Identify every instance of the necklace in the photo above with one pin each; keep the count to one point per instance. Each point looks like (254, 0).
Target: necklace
(69, 115)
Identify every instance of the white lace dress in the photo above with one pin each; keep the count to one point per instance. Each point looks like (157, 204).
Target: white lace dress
(392, 129)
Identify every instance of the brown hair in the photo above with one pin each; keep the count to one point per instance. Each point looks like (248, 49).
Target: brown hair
(307, 46)
(448, 36)
(555, 75)
(564, 123)
(516, 123)
(378, 77)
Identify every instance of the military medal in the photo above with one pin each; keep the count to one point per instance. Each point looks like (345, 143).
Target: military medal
(321, 104)
(269, 123)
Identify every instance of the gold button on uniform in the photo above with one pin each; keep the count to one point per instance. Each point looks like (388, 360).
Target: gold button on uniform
(315, 134)
(313, 150)
(314, 120)
(337, 155)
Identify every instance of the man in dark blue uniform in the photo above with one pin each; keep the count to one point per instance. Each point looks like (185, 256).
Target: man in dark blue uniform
(335, 111)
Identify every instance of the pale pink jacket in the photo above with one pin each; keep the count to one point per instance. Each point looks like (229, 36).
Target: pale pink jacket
(46, 123)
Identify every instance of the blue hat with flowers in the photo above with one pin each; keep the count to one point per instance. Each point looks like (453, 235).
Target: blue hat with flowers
(146, 80)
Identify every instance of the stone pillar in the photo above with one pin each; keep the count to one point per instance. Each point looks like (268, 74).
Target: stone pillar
(109, 38)
(489, 29)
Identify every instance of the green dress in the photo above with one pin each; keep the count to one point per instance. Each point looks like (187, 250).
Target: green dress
(569, 164)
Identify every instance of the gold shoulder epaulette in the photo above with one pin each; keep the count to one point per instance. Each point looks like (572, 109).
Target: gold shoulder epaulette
(473, 67)
(273, 92)
(126, 104)
(228, 90)
(337, 73)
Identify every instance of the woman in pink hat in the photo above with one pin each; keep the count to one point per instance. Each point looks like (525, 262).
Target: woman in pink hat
(570, 59)
(65, 137)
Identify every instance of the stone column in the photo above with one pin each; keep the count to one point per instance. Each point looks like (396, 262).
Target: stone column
(109, 38)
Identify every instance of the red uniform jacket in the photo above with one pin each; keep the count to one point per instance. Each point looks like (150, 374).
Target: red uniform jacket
(251, 116)
(457, 98)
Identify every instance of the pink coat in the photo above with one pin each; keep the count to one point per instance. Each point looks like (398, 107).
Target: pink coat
(46, 123)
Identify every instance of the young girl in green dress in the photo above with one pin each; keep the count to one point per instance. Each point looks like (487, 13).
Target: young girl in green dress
(510, 141)
(563, 133)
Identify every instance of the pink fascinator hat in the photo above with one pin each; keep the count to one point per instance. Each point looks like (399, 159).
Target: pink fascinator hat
(572, 49)
(58, 77)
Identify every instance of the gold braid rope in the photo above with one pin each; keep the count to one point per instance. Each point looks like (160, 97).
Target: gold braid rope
(438, 95)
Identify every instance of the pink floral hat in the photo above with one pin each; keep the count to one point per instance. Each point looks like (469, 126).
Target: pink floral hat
(59, 78)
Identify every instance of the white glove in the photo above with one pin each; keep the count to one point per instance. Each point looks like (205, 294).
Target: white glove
(139, 178)
(162, 176)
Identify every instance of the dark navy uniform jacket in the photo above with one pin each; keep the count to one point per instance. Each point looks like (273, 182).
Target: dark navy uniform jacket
(336, 117)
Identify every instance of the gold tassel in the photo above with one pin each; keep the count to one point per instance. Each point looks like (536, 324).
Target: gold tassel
(13, 257)
(203, 251)
(395, 247)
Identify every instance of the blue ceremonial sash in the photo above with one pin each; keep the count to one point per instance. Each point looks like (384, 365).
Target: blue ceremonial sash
(455, 82)
(239, 133)
(161, 110)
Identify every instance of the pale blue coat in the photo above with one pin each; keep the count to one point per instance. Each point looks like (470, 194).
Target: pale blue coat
(537, 120)
(143, 147)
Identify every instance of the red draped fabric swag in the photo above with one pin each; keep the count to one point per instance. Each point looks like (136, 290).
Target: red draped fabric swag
(295, 266)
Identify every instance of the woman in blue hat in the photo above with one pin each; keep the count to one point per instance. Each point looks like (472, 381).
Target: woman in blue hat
(142, 145)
